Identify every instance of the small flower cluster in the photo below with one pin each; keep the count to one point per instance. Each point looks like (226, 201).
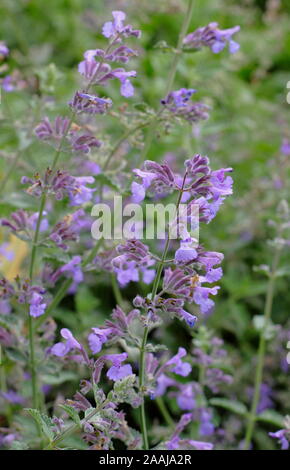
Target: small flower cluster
(213, 37)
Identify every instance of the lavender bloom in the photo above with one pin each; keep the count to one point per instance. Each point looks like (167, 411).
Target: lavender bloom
(61, 349)
(201, 297)
(178, 103)
(83, 143)
(179, 367)
(13, 397)
(64, 231)
(89, 104)
(115, 29)
(56, 131)
(61, 184)
(73, 269)
(118, 371)
(206, 427)
(285, 147)
(282, 437)
(154, 177)
(120, 322)
(174, 308)
(21, 221)
(176, 442)
(134, 258)
(186, 253)
(37, 306)
(4, 51)
(213, 37)
(98, 337)
(186, 397)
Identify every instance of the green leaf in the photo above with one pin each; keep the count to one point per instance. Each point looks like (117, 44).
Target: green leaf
(73, 414)
(43, 421)
(57, 379)
(272, 417)
(15, 355)
(104, 180)
(231, 405)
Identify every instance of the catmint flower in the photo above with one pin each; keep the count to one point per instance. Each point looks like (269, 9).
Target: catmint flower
(186, 397)
(98, 337)
(120, 321)
(4, 51)
(186, 253)
(13, 397)
(283, 438)
(285, 147)
(90, 104)
(73, 270)
(61, 184)
(63, 232)
(84, 143)
(52, 131)
(134, 258)
(37, 306)
(176, 442)
(61, 349)
(201, 297)
(61, 131)
(117, 371)
(174, 307)
(155, 178)
(21, 221)
(175, 364)
(115, 29)
(33, 296)
(213, 37)
(179, 104)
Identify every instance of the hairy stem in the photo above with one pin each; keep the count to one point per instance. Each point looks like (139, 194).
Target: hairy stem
(261, 352)
(146, 330)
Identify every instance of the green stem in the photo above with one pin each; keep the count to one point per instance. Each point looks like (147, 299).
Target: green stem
(116, 290)
(164, 411)
(171, 76)
(146, 330)
(261, 352)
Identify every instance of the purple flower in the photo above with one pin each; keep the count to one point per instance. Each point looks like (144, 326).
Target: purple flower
(178, 103)
(186, 253)
(73, 269)
(175, 364)
(98, 337)
(47, 131)
(116, 27)
(21, 221)
(90, 104)
(186, 397)
(4, 51)
(64, 231)
(134, 259)
(201, 297)
(176, 442)
(213, 37)
(37, 306)
(285, 147)
(13, 397)
(282, 436)
(61, 349)
(118, 371)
